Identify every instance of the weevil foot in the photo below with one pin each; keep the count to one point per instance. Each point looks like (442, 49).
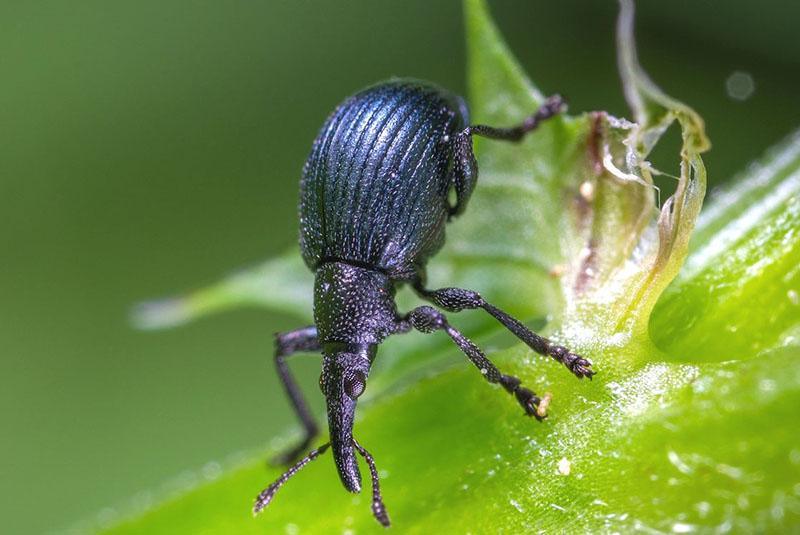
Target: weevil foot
(529, 401)
(532, 404)
(578, 365)
(554, 105)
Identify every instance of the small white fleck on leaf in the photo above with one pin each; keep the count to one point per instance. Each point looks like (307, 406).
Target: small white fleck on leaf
(564, 466)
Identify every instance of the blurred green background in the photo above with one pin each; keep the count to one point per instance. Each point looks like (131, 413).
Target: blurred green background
(147, 148)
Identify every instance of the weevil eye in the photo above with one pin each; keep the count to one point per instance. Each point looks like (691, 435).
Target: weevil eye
(354, 384)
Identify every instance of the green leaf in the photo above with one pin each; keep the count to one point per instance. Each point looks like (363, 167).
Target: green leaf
(565, 225)
(282, 283)
(660, 449)
(739, 293)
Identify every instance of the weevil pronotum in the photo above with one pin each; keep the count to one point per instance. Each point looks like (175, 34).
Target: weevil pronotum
(374, 201)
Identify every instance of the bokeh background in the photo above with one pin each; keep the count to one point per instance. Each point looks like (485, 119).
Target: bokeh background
(150, 147)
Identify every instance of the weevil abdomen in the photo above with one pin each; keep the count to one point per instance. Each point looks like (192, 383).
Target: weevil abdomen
(374, 188)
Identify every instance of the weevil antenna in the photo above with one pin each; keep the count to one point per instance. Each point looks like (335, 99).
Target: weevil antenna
(268, 493)
(378, 507)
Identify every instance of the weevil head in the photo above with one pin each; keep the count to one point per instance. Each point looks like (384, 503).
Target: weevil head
(354, 311)
(343, 380)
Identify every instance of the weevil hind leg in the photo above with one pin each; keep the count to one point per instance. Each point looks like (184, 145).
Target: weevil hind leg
(551, 107)
(465, 171)
(465, 166)
(287, 344)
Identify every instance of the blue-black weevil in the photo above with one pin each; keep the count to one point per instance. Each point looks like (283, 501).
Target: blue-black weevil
(374, 201)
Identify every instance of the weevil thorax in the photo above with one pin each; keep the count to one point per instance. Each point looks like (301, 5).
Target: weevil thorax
(354, 311)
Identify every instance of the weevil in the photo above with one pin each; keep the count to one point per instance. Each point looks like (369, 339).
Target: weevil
(390, 167)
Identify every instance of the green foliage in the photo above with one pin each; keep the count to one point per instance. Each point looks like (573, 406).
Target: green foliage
(738, 292)
(566, 224)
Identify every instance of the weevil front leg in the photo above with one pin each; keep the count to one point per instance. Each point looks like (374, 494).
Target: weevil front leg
(465, 167)
(286, 344)
(427, 320)
(457, 299)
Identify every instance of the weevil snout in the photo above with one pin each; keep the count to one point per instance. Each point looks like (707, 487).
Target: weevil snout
(343, 380)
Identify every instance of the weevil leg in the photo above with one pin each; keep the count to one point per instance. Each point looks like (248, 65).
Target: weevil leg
(286, 344)
(465, 171)
(457, 299)
(551, 107)
(465, 167)
(427, 320)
